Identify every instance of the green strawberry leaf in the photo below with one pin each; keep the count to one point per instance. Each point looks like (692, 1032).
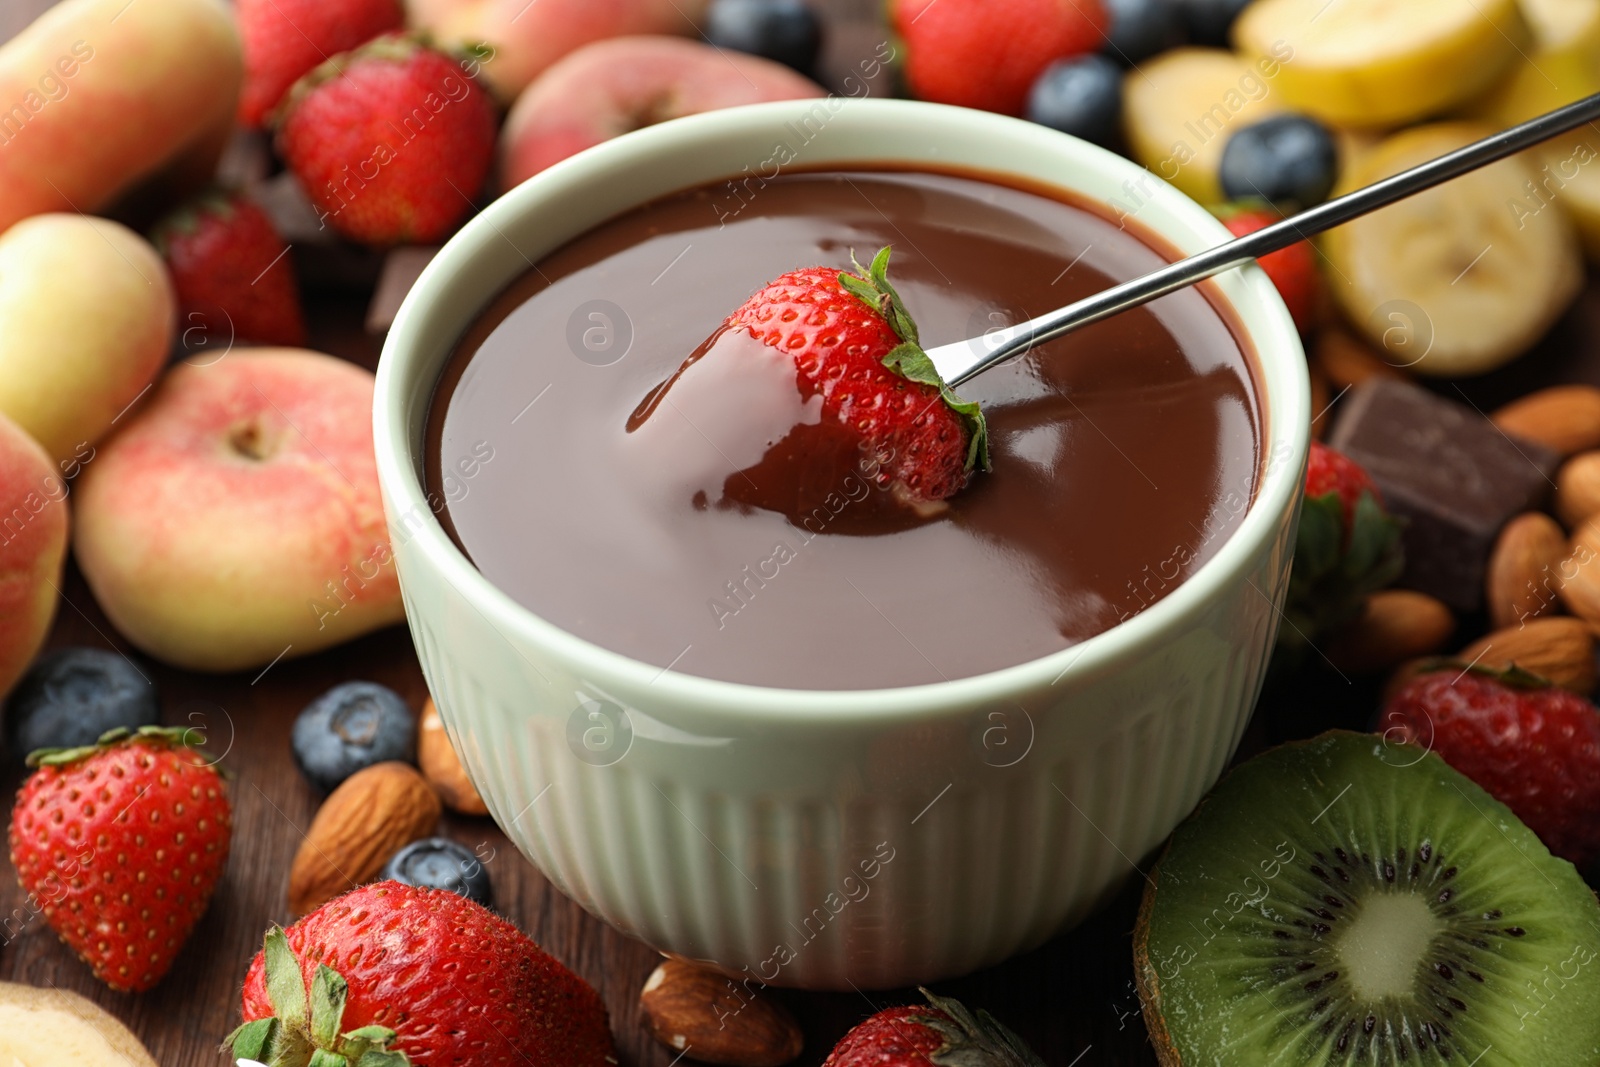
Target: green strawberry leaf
(1335, 569)
(60, 757)
(378, 1035)
(215, 200)
(482, 51)
(911, 362)
(871, 286)
(974, 1039)
(286, 987)
(329, 991)
(357, 1043)
(252, 1041)
(352, 1051)
(187, 736)
(1373, 534)
(1513, 677)
(1321, 534)
(907, 359)
(323, 1058)
(383, 1058)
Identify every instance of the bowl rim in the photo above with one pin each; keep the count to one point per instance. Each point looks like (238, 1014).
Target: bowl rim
(1284, 391)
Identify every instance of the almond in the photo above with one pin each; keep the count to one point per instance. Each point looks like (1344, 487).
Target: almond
(1347, 361)
(1395, 625)
(1560, 649)
(1578, 489)
(1578, 575)
(442, 767)
(704, 1015)
(366, 820)
(1523, 573)
(1563, 418)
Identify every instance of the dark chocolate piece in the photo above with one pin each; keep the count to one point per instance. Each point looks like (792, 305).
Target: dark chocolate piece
(1450, 472)
(401, 268)
(246, 161)
(322, 259)
(292, 214)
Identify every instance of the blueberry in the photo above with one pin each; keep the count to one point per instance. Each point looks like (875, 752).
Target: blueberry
(1288, 160)
(787, 31)
(439, 863)
(350, 727)
(72, 696)
(1209, 21)
(1081, 96)
(1141, 28)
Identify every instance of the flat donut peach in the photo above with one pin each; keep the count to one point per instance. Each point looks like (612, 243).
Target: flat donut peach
(236, 517)
(526, 36)
(610, 88)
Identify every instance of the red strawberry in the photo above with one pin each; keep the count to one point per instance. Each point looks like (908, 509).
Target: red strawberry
(855, 345)
(390, 141)
(284, 39)
(988, 53)
(226, 258)
(1347, 546)
(1328, 471)
(1534, 746)
(121, 843)
(1293, 270)
(427, 974)
(945, 1033)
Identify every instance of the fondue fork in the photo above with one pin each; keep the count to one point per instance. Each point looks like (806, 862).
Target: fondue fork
(961, 360)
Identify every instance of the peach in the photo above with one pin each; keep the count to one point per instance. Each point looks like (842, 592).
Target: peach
(527, 36)
(606, 89)
(33, 543)
(235, 519)
(86, 321)
(98, 94)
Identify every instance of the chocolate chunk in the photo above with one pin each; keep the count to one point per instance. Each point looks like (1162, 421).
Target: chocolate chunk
(292, 214)
(246, 161)
(401, 268)
(323, 261)
(1450, 472)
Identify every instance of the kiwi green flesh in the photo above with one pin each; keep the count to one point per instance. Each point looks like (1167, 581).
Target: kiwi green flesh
(1346, 900)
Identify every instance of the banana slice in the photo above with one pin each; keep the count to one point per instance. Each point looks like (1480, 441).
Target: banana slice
(1562, 65)
(1180, 108)
(52, 1028)
(1570, 175)
(1382, 62)
(1453, 281)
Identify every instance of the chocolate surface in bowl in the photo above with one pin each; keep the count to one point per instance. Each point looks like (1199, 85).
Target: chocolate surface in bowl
(1124, 454)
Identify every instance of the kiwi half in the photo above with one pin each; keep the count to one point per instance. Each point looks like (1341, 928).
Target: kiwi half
(1345, 900)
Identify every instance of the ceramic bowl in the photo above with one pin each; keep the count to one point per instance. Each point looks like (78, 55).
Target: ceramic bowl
(832, 839)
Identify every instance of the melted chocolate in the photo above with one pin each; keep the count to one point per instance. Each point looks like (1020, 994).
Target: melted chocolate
(1124, 454)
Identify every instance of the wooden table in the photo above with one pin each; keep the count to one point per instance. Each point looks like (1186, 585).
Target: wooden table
(1072, 999)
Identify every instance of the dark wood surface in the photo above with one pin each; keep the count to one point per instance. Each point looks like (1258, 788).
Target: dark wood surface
(1072, 999)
